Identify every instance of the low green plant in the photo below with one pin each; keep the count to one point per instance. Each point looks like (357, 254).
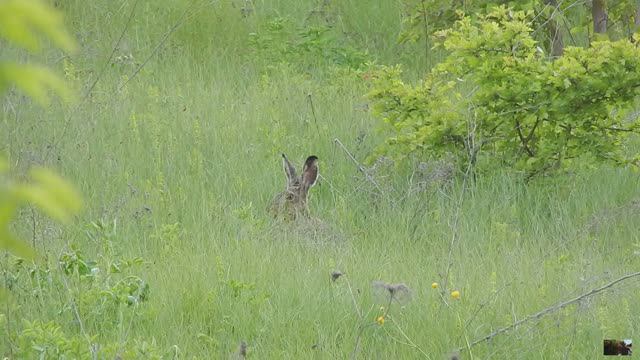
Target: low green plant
(103, 295)
(46, 340)
(279, 40)
(106, 285)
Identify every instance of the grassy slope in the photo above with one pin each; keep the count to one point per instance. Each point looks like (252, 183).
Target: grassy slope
(195, 138)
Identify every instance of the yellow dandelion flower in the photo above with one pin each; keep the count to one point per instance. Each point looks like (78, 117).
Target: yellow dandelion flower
(455, 294)
(434, 285)
(380, 320)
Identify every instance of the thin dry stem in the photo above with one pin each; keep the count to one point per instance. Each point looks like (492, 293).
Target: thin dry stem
(456, 219)
(185, 16)
(553, 308)
(95, 81)
(353, 298)
(408, 340)
(362, 169)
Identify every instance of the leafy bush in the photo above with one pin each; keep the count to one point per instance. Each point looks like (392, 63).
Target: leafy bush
(436, 15)
(497, 91)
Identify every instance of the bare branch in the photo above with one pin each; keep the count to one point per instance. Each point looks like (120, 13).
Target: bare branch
(553, 308)
(363, 170)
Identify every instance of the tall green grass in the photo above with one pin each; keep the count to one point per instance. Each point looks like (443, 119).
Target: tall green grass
(184, 160)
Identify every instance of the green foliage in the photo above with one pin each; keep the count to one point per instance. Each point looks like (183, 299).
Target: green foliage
(105, 290)
(34, 80)
(107, 282)
(72, 262)
(621, 16)
(23, 23)
(186, 157)
(437, 15)
(50, 193)
(498, 92)
(46, 340)
(105, 287)
(573, 22)
(45, 190)
(279, 40)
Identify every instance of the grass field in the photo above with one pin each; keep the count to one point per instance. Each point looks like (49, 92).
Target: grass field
(174, 141)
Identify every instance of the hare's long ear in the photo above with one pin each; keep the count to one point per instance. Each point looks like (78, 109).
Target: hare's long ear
(310, 172)
(289, 170)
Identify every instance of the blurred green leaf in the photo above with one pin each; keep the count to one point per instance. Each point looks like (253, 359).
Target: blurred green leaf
(58, 187)
(14, 245)
(7, 241)
(7, 208)
(34, 80)
(21, 21)
(52, 194)
(24, 23)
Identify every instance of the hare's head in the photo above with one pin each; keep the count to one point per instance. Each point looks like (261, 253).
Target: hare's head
(292, 202)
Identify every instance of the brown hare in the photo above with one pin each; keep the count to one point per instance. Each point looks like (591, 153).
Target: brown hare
(292, 203)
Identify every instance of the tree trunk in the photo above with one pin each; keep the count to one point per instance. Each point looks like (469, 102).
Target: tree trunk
(599, 11)
(557, 44)
(555, 35)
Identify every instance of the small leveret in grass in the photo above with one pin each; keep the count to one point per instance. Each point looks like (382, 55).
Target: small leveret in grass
(292, 203)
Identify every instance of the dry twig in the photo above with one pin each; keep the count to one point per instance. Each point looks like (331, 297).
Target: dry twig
(362, 169)
(553, 308)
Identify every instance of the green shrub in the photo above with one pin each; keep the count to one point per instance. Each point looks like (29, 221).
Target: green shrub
(497, 92)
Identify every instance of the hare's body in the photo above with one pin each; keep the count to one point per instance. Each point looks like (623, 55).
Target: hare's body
(292, 203)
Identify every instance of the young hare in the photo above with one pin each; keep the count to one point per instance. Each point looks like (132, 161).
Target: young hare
(292, 203)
